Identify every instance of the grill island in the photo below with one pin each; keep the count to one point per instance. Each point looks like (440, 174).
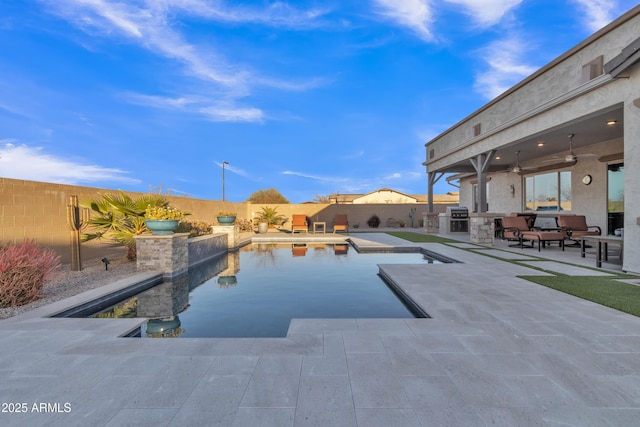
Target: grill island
(455, 220)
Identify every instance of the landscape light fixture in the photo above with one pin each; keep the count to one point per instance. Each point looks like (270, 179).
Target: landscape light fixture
(106, 263)
(223, 163)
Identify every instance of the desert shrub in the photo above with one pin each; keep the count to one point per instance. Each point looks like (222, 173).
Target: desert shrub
(195, 228)
(244, 225)
(373, 221)
(24, 269)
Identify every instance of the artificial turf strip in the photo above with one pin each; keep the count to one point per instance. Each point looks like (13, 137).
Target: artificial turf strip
(602, 290)
(421, 238)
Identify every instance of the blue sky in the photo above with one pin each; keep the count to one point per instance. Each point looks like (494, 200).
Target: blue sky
(309, 97)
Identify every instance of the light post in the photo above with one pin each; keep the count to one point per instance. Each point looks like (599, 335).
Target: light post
(223, 163)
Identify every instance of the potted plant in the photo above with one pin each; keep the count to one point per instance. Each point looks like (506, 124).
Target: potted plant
(270, 217)
(162, 220)
(226, 218)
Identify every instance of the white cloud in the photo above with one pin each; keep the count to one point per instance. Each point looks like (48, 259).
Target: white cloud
(216, 111)
(598, 12)
(233, 169)
(506, 68)
(487, 12)
(360, 185)
(152, 25)
(278, 13)
(414, 14)
(49, 168)
(310, 176)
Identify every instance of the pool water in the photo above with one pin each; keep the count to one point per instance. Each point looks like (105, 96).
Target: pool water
(259, 289)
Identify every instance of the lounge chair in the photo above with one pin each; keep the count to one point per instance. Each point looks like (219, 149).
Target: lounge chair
(299, 223)
(575, 226)
(517, 228)
(340, 223)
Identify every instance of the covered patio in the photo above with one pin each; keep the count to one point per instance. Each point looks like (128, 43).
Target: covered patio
(557, 143)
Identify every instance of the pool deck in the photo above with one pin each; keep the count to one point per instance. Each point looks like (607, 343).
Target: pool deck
(498, 351)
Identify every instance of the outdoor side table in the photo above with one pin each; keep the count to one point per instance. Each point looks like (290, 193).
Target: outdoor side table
(319, 224)
(602, 253)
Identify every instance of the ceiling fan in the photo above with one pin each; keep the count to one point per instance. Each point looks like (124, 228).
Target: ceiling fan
(570, 157)
(517, 168)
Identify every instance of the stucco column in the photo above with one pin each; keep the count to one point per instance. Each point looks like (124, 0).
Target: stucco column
(631, 257)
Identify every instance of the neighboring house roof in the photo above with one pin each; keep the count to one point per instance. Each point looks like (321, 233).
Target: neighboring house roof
(448, 198)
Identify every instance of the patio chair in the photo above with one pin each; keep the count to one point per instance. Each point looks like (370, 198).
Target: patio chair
(576, 227)
(340, 223)
(513, 226)
(517, 228)
(299, 223)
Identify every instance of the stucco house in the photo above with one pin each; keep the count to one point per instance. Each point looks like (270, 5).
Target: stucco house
(390, 196)
(559, 140)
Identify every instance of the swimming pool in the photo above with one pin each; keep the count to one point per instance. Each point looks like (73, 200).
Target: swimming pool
(256, 291)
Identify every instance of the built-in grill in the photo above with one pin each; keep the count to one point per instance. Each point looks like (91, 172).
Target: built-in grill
(458, 212)
(457, 219)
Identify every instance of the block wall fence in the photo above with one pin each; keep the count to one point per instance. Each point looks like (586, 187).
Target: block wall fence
(37, 210)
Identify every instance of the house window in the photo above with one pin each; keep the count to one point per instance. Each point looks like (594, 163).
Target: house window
(548, 191)
(477, 129)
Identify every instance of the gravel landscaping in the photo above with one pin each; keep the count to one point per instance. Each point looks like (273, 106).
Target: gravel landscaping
(65, 283)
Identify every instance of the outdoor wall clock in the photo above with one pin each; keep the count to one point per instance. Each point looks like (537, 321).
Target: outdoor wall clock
(586, 180)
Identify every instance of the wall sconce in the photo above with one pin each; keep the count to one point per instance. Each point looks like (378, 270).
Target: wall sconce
(512, 190)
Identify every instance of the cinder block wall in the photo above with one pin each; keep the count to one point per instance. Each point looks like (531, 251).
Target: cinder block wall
(37, 210)
(356, 214)
(31, 209)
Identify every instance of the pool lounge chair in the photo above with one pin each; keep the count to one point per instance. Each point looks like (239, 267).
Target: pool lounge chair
(299, 223)
(340, 223)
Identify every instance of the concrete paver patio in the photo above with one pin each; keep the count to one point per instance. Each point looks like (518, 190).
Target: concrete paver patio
(498, 350)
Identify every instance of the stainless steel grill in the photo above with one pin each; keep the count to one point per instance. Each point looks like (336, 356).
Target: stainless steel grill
(458, 212)
(458, 219)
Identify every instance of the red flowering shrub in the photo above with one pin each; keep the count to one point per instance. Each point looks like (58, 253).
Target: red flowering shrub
(24, 270)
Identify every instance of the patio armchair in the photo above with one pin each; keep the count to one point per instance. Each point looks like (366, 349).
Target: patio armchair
(340, 223)
(575, 226)
(299, 223)
(513, 226)
(517, 228)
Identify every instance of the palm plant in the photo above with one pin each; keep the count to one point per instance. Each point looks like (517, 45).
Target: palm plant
(271, 216)
(118, 217)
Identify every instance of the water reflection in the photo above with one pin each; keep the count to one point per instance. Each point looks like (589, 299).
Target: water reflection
(298, 249)
(168, 327)
(340, 249)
